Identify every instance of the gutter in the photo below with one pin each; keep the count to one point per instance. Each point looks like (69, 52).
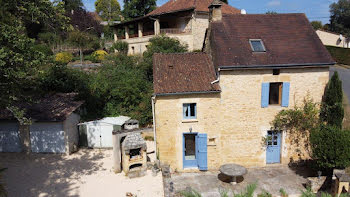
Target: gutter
(276, 66)
(154, 124)
(186, 93)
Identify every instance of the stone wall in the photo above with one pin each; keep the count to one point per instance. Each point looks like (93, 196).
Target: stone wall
(233, 119)
(70, 126)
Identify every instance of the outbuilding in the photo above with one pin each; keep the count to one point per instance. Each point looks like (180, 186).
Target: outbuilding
(53, 127)
(98, 133)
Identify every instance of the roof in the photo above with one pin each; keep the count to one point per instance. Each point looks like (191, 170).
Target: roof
(120, 120)
(289, 39)
(197, 5)
(52, 108)
(183, 73)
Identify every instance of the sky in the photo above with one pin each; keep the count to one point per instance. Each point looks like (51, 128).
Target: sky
(314, 9)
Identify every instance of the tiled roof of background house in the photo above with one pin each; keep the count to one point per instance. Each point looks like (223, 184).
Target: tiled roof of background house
(52, 108)
(197, 5)
(289, 39)
(183, 72)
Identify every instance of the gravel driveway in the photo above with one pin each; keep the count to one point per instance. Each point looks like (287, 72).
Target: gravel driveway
(85, 173)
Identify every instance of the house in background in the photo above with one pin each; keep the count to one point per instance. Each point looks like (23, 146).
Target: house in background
(333, 39)
(53, 129)
(185, 20)
(216, 107)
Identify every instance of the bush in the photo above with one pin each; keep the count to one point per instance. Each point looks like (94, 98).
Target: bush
(121, 46)
(149, 138)
(99, 55)
(341, 55)
(63, 57)
(332, 111)
(330, 147)
(46, 50)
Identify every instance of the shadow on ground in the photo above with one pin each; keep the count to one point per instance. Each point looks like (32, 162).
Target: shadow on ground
(47, 174)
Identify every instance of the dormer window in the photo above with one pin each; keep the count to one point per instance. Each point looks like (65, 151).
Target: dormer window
(257, 45)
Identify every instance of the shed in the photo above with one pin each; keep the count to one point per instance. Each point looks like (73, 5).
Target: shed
(53, 129)
(98, 133)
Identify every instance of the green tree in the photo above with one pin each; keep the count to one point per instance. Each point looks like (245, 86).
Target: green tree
(70, 5)
(330, 147)
(108, 10)
(316, 25)
(19, 60)
(332, 111)
(80, 40)
(340, 17)
(136, 8)
(3, 192)
(271, 12)
(225, 1)
(160, 44)
(121, 47)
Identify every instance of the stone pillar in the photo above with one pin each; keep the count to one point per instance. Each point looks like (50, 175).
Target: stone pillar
(24, 134)
(140, 28)
(126, 32)
(115, 33)
(116, 152)
(156, 27)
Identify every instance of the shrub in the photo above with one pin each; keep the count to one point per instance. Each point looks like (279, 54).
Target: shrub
(63, 57)
(330, 147)
(46, 50)
(3, 191)
(332, 111)
(121, 46)
(99, 55)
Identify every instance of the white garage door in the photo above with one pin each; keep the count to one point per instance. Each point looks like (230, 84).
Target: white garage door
(100, 136)
(9, 138)
(47, 138)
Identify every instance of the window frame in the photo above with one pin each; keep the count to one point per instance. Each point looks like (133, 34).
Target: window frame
(188, 106)
(261, 42)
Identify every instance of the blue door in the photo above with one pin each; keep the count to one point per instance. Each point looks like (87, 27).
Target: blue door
(273, 150)
(190, 150)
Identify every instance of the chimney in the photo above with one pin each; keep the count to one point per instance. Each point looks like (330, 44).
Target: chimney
(215, 13)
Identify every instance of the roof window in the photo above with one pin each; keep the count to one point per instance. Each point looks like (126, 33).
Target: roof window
(257, 45)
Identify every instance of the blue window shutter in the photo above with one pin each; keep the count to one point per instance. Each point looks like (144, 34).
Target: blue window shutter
(265, 89)
(202, 151)
(285, 94)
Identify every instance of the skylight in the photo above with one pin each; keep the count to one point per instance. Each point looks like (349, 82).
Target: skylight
(257, 45)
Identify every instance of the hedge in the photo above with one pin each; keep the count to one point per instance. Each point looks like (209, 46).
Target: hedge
(341, 55)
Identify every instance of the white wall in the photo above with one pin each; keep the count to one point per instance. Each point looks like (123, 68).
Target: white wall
(70, 126)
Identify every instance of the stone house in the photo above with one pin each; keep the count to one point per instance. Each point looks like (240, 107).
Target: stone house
(215, 107)
(53, 130)
(333, 39)
(185, 20)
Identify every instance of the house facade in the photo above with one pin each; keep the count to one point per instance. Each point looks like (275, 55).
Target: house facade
(333, 39)
(216, 107)
(185, 20)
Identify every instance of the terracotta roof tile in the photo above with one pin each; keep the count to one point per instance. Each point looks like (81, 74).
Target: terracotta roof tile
(183, 72)
(288, 39)
(197, 5)
(55, 107)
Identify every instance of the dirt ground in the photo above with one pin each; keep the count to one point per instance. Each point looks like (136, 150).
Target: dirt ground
(85, 173)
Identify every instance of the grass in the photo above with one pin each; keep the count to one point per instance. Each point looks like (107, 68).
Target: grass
(341, 55)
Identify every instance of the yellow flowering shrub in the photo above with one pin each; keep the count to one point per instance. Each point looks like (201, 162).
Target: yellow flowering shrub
(99, 55)
(63, 57)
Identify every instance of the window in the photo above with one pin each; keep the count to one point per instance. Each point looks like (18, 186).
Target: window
(275, 94)
(189, 111)
(257, 45)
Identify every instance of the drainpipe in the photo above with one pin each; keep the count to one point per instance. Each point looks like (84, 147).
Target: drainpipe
(154, 124)
(218, 79)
